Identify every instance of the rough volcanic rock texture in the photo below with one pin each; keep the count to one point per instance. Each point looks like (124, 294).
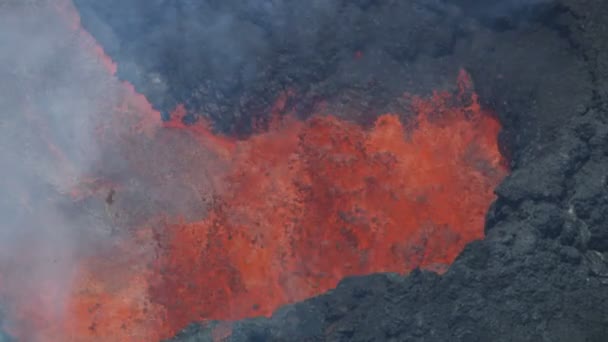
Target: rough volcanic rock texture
(541, 274)
(229, 60)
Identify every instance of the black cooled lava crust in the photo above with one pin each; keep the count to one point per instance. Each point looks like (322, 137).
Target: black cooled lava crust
(541, 274)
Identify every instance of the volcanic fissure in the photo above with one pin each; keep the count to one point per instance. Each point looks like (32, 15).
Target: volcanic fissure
(288, 185)
(283, 214)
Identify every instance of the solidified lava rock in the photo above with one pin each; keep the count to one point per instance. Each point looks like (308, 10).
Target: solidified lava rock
(541, 273)
(229, 60)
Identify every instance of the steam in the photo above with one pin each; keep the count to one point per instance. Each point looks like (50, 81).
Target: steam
(82, 171)
(51, 95)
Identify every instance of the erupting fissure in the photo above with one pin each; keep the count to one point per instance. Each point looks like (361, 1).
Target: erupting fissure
(308, 203)
(275, 218)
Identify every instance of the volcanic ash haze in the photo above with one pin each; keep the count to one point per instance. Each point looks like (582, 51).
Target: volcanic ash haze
(51, 92)
(119, 227)
(56, 99)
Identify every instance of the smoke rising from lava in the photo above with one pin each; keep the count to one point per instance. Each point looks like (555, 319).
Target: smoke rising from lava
(114, 221)
(52, 91)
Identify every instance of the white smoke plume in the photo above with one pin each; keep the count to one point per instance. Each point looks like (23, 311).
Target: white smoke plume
(52, 94)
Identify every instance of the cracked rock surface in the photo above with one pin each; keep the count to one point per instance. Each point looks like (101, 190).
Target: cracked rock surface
(541, 273)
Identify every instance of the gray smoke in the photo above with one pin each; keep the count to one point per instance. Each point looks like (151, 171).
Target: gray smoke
(51, 93)
(68, 128)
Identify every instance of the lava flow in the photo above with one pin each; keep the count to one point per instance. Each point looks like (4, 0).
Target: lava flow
(206, 227)
(308, 203)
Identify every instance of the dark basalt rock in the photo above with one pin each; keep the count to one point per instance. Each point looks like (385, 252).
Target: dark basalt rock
(541, 273)
(230, 60)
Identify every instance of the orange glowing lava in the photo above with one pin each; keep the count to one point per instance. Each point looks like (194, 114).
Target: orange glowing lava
(309, 203)
(247, 226)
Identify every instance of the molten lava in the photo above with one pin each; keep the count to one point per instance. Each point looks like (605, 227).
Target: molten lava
(309, 203)
(247, 226)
